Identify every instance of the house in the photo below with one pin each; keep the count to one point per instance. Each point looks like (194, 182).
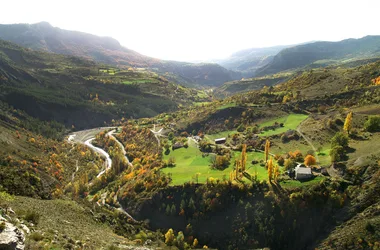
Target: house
(177, 145)
(302, 173)
(197, 138)
(220, 140)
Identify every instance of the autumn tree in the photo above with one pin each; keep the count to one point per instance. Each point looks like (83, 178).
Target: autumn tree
(267, 146)
(310, 160)
(276, 173)
(270, 169)
(348, 123)
(169, 237)
(195, 242)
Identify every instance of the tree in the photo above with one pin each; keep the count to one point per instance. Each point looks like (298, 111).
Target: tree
(372, 124)
(340, 139)
(170, 136)
(337, 154)
(180, 240)
(348, 123)
(169, 237)
(267, 146)
(310, 160)
(276, 173)
(270, 169)
(289, 163)
(195, 242)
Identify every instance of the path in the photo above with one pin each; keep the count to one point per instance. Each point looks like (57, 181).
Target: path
(157, 134)
(307, 140)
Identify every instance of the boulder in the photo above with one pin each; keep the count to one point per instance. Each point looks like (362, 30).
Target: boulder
(12, 238)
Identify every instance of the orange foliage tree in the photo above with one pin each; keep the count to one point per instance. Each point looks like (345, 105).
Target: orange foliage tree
(310, 160)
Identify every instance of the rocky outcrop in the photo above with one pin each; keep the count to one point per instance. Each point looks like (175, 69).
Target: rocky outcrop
(11, 238)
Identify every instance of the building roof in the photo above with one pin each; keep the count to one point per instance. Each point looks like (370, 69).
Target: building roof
(301, 170)
(220, 139)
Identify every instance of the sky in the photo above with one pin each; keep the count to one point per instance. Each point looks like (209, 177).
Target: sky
(202, 30)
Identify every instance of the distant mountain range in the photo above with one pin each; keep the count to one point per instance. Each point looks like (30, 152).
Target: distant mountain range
(249, 60)
(43, 36)
(271, 60)
(322, 54)
(254, 62)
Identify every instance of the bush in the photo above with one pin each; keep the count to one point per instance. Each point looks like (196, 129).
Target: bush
(372, 124)
(337, 154)
(340, 139)
(36, 236)
(32, 216)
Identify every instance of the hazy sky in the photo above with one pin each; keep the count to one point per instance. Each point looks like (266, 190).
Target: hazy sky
(202, 29)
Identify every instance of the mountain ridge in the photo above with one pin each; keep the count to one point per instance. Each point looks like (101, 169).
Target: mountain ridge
(43, 36)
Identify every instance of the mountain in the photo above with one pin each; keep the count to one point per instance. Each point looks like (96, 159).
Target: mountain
(249, 60)
(322, 53)
(75, 91)
(43, 36)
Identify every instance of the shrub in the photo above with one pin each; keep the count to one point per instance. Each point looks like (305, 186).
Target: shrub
(36, 236)
(337, 154)
(340, 139)
(32, 216)
(372, 124)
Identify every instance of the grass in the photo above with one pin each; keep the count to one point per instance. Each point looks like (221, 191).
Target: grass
(295, 183)
(222, 134)
(228, 105)
(189, 162)
(67, 218)
(290, 122)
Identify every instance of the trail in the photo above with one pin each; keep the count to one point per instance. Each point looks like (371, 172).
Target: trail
(157, 134)
(307, 140)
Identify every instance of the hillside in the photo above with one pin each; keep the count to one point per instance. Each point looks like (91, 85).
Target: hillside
(249, 60)
(43, 36)
(321, 53)
(82, 93)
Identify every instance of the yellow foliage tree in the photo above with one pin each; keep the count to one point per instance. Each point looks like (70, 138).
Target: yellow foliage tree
(267, 146)
(270, 169)
(169, 237)
(276, 173)
(348, 123)
(195, 242)
(310, 160)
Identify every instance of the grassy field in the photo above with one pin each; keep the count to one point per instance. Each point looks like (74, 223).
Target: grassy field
(190, 162)
(296, 184)
(228, 105)
(290, 122)
(222, 134)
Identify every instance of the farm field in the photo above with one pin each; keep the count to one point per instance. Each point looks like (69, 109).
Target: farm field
(190, 161)
(290, 122)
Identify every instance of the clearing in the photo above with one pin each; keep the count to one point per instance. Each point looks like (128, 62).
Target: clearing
(290, 122)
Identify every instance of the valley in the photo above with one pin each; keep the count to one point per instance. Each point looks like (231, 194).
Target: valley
(104, 148)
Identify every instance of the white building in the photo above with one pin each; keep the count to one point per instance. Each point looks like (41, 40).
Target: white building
(302, 173)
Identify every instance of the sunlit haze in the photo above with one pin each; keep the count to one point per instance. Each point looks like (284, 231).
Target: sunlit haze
(202, 30)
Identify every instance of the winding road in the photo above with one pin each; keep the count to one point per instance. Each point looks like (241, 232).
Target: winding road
(86, 137)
